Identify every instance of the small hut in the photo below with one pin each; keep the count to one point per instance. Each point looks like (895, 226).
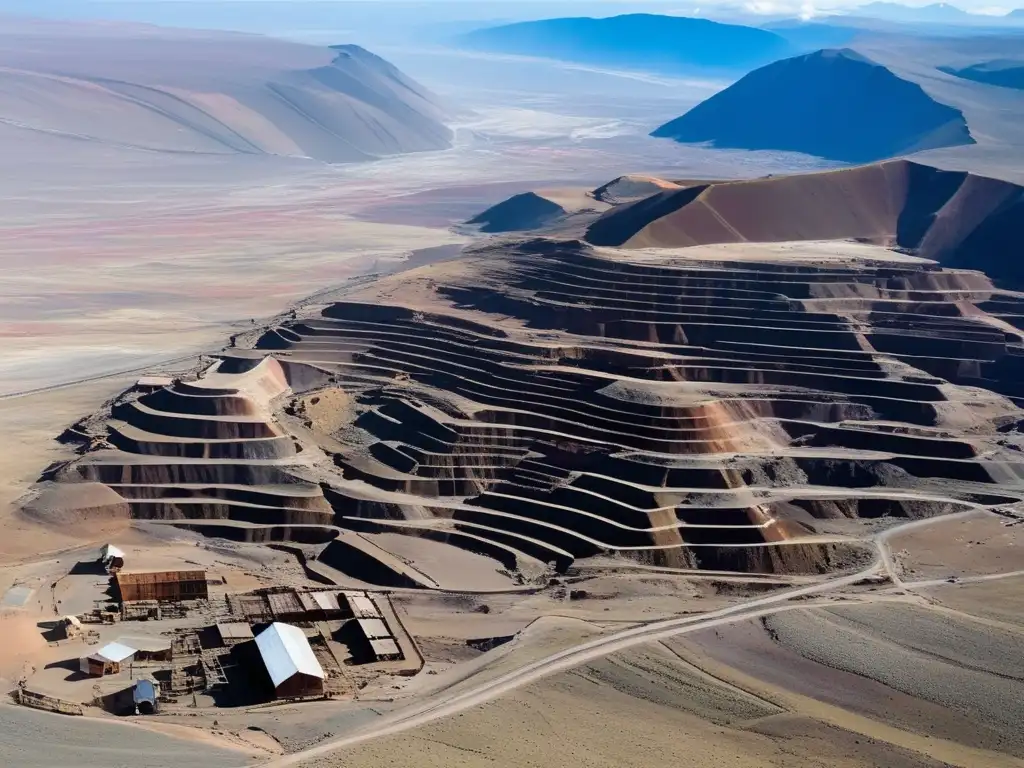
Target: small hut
(112, 558)
(108, 660)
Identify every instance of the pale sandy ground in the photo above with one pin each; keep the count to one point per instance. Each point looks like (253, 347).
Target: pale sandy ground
(648, 705)
(970, 546)
(91, 743)
(886, 684)
(1001, 601)
(814, 252)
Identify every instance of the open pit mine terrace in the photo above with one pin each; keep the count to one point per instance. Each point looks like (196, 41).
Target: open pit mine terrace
(545, 401)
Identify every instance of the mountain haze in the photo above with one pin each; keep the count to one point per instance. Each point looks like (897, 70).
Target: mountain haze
(642, 41)
(935, 12)
(1006, 74)
(834, 104)
(213, 93)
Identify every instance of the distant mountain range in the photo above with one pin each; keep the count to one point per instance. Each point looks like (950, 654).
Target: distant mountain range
(1007, 74)
(182, 91)
(637, 41)
(936, 12)
(834, 104)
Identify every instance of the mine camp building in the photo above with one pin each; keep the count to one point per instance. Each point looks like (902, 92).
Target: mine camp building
(378, 638)
(162, 585)
(290, 661)
(148, 648)
(107, 660)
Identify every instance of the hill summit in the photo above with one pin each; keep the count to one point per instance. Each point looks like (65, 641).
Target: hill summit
(833, 103)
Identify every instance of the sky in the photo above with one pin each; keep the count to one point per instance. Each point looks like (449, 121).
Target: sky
(367, 16)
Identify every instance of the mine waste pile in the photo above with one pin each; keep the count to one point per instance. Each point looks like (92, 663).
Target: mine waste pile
(546, 399)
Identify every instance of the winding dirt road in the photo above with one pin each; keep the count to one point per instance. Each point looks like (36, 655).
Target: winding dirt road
(447, 703)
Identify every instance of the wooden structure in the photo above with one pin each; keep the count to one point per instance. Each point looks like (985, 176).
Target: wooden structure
(35, 700)
(162, 586)
(285, 604)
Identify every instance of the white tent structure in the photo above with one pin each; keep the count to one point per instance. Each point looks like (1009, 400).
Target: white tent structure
(107, 660)
(290, 661)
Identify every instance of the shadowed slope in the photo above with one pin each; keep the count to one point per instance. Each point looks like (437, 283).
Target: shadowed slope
(834, 104)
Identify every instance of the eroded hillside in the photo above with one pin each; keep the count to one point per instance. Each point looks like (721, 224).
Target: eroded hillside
(730, 407)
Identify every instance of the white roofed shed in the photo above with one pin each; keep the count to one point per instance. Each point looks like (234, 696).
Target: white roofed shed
(290, 661)
(107, 660)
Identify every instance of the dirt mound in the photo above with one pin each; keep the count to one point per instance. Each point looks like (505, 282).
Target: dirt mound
(626, 189)
(520, 213)
(834, 104)
(188, 92)
(956, 218)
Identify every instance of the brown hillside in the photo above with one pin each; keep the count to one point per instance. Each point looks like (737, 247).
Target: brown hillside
(956, 218)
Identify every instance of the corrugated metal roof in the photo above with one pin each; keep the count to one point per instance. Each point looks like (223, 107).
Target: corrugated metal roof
(363, 607)
(385, 647)
(149, 644)
(145, 690)
(308, 602)
(286, 653)
(373, 628)
(328, 601)
(234, 630)
(114, 652)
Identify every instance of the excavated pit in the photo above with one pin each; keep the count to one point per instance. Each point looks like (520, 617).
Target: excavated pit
(549, 400)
